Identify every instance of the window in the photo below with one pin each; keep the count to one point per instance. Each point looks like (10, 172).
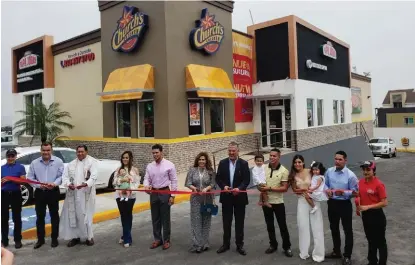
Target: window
(66, 155)
(24, 160)
(31, 101)
(408, 121)
(146, 119)
(397, 105)
(378, 141)
(310, 112)
(123, 119)
(216, 115)
(319, 112)
(335, 112)
(196, 117)
(342, 111)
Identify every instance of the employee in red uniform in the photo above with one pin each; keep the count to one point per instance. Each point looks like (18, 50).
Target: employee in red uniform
(11, 196)
(371, 200)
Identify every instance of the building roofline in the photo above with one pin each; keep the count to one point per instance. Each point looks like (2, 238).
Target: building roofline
(243, 33)
(79, 41)
(361, 77)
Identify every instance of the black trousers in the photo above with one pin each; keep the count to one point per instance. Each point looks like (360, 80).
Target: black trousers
(49, 198)
(160, 216)
(374, 224)
(228, 211)
(126, 213)
(341, 210)
(11, 199)
(279, 211)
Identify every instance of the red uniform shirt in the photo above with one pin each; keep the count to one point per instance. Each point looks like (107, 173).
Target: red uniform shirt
(371, 192)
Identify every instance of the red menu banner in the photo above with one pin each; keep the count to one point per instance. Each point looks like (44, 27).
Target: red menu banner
(242, 76)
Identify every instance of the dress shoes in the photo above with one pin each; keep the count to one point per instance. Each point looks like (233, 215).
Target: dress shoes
(18, 244)
(90, 242)
(241, 251)
(334, 255)
(222, 249)
(74, 242)
(288, 253)
(271, 250)
(38, 244)
(347, 261)
(54, 243)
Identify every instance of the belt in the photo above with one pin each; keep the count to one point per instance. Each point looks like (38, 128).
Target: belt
(164, 188)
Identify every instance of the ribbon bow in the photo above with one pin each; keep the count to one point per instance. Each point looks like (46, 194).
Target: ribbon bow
(312, 163)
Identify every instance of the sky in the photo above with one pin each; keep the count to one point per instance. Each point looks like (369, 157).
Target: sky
(380, 34)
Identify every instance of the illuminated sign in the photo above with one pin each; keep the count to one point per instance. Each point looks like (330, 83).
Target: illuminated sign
(78, 57)
(28, 60)
(328, 50)
(208, 34)
(131, 29)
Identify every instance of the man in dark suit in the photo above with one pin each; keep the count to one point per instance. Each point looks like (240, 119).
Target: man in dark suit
(233, 176)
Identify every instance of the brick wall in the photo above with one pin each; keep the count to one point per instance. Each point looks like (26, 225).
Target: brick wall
(181, 154)
(313, 137)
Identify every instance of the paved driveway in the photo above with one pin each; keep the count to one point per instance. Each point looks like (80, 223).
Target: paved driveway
(398, 174)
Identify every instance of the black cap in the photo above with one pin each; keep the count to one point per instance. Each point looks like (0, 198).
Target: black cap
(11, 152)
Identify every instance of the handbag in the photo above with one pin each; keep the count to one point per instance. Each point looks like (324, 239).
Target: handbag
(209, 208)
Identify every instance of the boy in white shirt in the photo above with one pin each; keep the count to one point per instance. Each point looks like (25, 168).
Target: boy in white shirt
(259, 179)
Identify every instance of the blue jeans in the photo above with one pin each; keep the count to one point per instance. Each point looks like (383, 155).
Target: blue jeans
(126, 213)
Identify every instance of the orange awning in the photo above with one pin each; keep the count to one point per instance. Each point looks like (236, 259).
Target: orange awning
(128, 83)
(209, 82)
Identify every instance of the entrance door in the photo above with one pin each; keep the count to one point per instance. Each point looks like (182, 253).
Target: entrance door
(276, 127)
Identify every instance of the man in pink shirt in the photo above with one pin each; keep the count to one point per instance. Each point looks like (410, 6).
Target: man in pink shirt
(160, 175)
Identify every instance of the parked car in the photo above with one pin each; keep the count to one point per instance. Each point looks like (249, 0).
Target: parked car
(383, 146)
(25, 155)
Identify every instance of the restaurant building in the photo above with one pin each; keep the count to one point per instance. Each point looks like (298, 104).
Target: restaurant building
(175, 73)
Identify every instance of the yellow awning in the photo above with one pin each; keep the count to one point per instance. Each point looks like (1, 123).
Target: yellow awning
(128, 83)
(209, 82)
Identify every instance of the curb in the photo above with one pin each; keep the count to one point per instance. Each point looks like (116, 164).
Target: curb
(406, 150)
(104, 216)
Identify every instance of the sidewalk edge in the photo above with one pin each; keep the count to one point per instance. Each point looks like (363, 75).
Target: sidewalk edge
(104, 216)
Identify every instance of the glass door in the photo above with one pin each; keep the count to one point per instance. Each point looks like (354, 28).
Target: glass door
(276, 127)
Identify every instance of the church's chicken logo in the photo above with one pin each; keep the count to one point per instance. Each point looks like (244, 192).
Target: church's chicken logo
(131, 28)
(208, 34)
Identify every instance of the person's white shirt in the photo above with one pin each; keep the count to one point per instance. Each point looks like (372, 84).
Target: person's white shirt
(258, 175)
(79, 205)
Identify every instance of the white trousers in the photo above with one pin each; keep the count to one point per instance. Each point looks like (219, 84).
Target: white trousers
(304, 218)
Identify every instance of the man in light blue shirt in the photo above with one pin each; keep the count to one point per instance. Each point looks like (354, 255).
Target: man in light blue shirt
(47, 169)
(341, 184)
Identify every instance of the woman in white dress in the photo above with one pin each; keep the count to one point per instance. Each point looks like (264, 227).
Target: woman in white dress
(300, 180)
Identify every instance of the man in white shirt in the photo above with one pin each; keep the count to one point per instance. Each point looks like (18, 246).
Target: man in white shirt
(78, 209)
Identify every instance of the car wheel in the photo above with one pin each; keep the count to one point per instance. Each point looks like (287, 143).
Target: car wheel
(27, 194)
(390, 154)
(110, 181)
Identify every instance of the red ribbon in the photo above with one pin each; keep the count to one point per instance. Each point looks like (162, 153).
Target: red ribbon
(19, 180)
(190, 192)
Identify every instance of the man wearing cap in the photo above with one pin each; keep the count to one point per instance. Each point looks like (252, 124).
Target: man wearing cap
(370, 201)
(11, 196)
(342, 185)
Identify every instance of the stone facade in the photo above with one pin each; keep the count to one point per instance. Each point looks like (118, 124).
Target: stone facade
(313, 137)
(181, 154)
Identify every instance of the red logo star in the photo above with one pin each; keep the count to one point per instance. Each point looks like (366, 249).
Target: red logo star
(126, 17)
(208, 21)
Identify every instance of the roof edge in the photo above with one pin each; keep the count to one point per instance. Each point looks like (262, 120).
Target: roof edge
(79, 41)
(361, 77)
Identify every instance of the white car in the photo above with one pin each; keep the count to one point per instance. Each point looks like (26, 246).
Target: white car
(383, 146)
(25, 155)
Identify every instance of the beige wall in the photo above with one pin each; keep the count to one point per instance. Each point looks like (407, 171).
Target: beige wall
(75, 89)
(367, 109)
(397, 120)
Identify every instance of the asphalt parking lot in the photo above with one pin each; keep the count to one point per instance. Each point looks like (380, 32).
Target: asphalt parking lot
(398, 175)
